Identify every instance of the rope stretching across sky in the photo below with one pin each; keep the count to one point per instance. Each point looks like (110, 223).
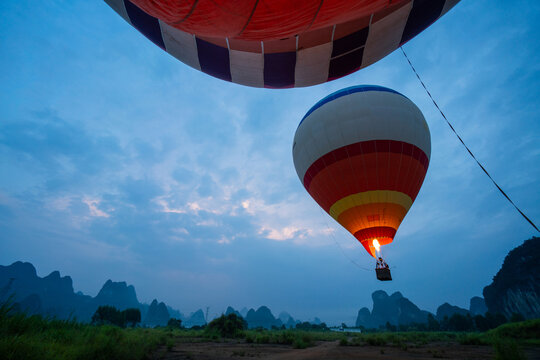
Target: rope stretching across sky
(466, 147)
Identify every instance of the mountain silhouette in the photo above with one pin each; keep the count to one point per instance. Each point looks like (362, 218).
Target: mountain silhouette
(516, 286)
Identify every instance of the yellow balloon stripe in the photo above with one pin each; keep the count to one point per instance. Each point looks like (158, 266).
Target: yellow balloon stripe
(369, 197)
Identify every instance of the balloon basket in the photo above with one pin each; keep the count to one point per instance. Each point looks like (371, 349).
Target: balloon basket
(383, 274)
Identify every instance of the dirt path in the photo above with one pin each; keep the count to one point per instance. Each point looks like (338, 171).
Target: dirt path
(326, 350)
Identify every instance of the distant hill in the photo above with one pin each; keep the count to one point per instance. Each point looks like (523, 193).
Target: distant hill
(394, 309)
(195, 319)
(53, 295)
(231, 310)
(157, 314)
(117, 294)
(447, 310)
(516, 286)
(262, 317)
(398, 310)
(287, 320)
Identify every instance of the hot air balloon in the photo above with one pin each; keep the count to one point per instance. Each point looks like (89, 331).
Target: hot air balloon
(362, 153)
(280, 43)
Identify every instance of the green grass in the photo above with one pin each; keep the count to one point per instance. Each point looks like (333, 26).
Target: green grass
(524, 332)
(34, 337)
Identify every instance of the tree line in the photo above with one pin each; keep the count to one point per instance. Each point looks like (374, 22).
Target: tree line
(457, 322)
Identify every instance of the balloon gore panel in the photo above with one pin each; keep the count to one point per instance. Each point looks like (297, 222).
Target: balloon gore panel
(344, 35)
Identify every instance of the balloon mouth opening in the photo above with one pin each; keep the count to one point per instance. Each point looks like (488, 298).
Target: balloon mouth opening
(374, 246)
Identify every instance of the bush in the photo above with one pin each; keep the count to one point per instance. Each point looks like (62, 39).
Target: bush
(507, 349)
(458, 322)
(109, 315)
(302, 341)
(516, 317)
(375, 340)
(307, 326)
(526, 330)
(472, 339)
(229, 326)
(250, 338)
(174, 323)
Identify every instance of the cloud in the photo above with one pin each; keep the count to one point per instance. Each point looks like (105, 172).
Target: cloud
(93, 207)
(286, 233)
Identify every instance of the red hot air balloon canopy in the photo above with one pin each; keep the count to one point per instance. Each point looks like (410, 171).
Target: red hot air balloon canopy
(362, 153)
(280, 43)
(258, 19)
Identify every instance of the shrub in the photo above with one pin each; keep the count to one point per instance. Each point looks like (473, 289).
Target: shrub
(302, 341)
(250, 338)
(458, 322)
(525, 330)
(472, 339)
(108, 315)
(229, 326)
(507, 349)
(174, 323)
(375, 340)
(517, 317)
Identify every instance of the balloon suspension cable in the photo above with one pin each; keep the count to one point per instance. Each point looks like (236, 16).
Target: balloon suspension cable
(466, 147)
(340, 247)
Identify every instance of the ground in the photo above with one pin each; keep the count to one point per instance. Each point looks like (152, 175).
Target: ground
(327, 350)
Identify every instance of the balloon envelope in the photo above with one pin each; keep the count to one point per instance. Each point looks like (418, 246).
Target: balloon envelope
(280, 43)
(362, 153)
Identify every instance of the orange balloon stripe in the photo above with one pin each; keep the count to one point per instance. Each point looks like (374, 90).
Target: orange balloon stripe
(377, 171)
(368, 197)
(372, 215)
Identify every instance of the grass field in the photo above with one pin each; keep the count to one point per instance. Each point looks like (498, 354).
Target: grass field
(35, 337)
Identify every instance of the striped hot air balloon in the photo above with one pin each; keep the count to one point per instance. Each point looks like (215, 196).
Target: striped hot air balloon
(362, 153)
(280, 43)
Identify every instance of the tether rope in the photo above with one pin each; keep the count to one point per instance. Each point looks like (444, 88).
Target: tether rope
(466, 147)
(331, 232)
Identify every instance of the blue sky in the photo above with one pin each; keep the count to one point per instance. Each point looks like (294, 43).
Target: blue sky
(118, 161)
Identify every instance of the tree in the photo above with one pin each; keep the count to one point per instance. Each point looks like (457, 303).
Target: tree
(481, 323)
(432, 323)
(489, 321)
(174, 323)
(390, 327)
(108, 315)
(517, 317)
(307, 326)
(229, 326)
(495, 319)
(458, 322)
(132, 316)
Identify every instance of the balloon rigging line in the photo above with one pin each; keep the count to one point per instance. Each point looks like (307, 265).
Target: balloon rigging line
(461, 140)
(339, 245)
